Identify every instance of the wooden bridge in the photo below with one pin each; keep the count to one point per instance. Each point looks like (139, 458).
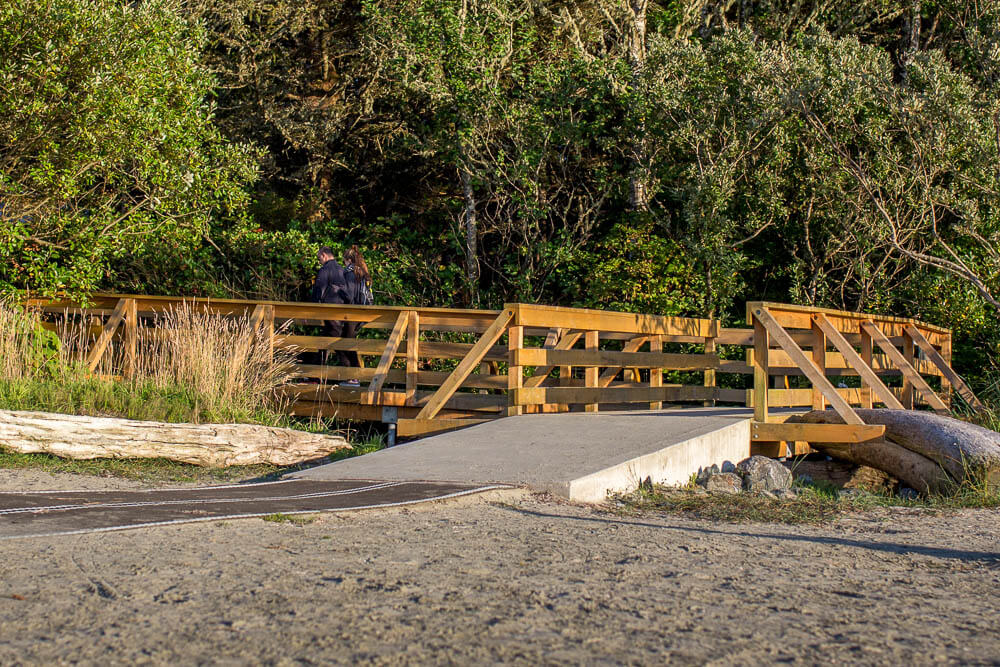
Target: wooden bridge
(428, 370)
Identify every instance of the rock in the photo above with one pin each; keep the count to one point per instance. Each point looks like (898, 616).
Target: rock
(760, 473)
(705, 473)
(723, 482)
(787, 494)
(841, 474)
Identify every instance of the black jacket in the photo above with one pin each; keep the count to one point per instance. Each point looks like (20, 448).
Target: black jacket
(358, 291)
(330, 286)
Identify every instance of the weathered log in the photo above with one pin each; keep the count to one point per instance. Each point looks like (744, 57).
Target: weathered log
(914, 470)
(214, 445)
(960, 448)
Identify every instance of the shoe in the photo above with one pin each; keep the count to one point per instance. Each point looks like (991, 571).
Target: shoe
(350, 383)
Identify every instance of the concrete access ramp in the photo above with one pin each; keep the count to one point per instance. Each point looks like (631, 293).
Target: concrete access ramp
(580, 456)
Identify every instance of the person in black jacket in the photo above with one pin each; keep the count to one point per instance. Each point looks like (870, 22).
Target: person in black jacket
(359, 293)
(330, 287)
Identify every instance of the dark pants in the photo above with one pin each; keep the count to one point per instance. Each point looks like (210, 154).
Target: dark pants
(338, 329)
(351, 331)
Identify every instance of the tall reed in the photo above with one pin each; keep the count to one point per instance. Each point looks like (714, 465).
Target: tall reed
(23, 352)
(226, 362)
(191, 366)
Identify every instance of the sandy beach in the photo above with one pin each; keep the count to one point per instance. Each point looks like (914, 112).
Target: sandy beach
(509, 577)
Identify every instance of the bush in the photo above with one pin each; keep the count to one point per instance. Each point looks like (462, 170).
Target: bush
(109, 145)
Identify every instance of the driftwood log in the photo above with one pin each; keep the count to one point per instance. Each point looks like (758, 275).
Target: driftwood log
(214, 445)
(925, 450)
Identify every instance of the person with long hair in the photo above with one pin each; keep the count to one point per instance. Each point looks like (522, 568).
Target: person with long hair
(358, 281)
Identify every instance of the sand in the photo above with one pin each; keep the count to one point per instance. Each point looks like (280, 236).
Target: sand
(510, 578)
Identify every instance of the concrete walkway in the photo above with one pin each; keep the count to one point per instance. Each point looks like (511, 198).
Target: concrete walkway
(580, 456)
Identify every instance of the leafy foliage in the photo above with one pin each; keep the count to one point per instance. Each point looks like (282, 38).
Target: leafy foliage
(834, 153)
(107, 144)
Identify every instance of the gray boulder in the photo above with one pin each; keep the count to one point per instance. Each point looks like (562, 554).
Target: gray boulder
(761, 473)
(723, 482)
(705, 473)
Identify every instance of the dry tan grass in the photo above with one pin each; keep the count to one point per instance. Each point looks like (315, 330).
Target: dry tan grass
(19, 342)
(218, 366)
(223, 360)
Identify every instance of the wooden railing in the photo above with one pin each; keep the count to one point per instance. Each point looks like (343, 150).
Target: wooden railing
(840, 343)
(434, 369)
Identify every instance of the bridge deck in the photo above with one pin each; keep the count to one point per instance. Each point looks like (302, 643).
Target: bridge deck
(577, 456)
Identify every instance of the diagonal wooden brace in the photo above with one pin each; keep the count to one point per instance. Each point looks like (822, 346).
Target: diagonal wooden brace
(855, 361)
(467, 365)
(632, 345)
(566, 341)
(909, 372)
(935, 357)
(784, 339)
(96, 353)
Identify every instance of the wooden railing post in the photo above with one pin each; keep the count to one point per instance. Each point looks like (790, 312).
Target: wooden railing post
(907, 398)
(710, 379)
(946, 388)
(656, 374)
(866, 357)
(262, 323)
(761, 343)
(515, 374)
(131, 337)
(412, 357)
(592, 373)
(819, 358)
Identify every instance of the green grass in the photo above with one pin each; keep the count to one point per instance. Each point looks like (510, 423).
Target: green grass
(84, 394)
(815, 504)
(146, 470)
(294, 519)
(164, 470)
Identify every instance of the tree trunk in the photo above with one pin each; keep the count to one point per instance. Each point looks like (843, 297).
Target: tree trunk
(963, 450)
(639, 158)
(470, 226)
(213, 445)
(916, 471)
(911, 39)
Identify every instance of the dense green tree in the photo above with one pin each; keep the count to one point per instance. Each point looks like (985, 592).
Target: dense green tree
(679, 157)
(107, 141)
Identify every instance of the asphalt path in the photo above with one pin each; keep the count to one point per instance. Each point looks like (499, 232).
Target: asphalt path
(45, 513)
